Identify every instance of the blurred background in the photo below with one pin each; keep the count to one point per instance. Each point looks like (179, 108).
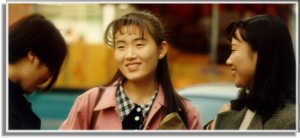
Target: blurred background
(196, 32)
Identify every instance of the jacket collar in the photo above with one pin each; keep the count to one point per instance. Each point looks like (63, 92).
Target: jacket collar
(157, 104)
(256, 122)
(110, 99)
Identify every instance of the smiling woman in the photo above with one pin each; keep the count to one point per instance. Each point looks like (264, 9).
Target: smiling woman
(137, 56)
(263, 66)
(36, 53)
(242, 62)
(140, 94)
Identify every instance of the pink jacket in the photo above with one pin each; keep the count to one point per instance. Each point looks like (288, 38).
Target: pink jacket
(109, 117)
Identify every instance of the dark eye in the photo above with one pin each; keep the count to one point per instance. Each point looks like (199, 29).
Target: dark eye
(120, 47)
(140, 45)
(232, 50)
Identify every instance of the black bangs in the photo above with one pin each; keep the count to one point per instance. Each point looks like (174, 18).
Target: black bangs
(230, 31)
(131, 29)
(234, 27)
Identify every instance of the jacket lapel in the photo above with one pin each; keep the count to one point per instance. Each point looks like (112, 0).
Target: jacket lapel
(157, 104)
(110, 99)
(256, 123)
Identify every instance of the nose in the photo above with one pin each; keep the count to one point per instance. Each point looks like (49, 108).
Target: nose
(228, 61)
(130, 54)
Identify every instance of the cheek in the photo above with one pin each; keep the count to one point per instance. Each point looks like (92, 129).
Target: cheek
(119, 62)
(150, 52)
(117, 57)
(151, 58)
(44, 72)
(246, 71)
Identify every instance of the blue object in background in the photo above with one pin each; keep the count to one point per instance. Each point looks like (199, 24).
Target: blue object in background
(53, 107)
(209, 98)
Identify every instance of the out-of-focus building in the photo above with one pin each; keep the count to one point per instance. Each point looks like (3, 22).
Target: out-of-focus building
(198, 47)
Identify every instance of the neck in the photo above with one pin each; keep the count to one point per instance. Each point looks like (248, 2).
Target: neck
(16, 73)
(140, 92)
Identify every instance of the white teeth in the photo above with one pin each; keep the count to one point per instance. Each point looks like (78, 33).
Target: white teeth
(132, 64)
(133, 67)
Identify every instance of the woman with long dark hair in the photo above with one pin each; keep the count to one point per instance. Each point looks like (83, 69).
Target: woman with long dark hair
(263, 66)
(140, 94)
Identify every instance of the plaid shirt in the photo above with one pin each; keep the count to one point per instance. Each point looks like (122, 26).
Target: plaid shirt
(125, 105)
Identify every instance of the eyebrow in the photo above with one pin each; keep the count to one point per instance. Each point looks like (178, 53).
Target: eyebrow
(140, 38)
(136, 39)
(120, 41)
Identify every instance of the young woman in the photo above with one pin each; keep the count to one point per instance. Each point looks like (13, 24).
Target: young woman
(141, 93)
(263, 66)
(36, 53)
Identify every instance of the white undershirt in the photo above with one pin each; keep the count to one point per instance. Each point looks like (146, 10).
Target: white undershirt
(247, 119)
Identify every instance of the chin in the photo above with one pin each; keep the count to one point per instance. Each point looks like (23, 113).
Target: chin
(238, 85)
(132, 78)
(29, 91)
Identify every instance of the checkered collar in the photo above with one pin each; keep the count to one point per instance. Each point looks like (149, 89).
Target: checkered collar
(125, 105)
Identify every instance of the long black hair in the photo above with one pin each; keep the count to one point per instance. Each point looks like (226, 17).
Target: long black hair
(36, 34)
(148, 22)
(275, 76)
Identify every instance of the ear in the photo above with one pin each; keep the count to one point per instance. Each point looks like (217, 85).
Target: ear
(31, 56)
(163, 48)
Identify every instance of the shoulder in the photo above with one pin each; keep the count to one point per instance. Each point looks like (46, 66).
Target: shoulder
(288, 112)
(189, 107)
(192, 114)
(286, 117)
(212, 124)
(226, 107)
(89, 93)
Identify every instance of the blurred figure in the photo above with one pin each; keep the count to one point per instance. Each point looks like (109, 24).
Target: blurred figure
(36, 53)
(140, 94)
(263, 66)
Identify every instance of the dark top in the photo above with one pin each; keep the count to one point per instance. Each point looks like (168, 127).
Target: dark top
(134, 120)
(21, 115)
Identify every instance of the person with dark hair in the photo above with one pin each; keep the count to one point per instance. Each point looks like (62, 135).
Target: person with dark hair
(263, 66)
(36, 53)
(140, 94)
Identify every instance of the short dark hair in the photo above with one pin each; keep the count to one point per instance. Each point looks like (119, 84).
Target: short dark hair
(36, 34)
(275, 76)
(151, 24)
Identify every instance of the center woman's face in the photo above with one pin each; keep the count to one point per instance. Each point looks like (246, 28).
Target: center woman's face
(242, 62)
(136, 56)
